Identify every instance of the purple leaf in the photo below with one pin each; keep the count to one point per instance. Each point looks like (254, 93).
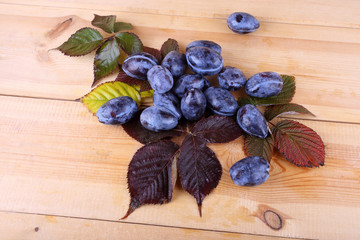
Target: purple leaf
(149, 175)
(217, 129)
(199, 169)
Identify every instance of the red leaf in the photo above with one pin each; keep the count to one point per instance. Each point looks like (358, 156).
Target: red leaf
(168, 46)
(149, 175)
(217, 129)
(144, 85)
(274, 111)
(299, 144)
(254, 146)
(156, 53)
(199, 169)
(135, 130)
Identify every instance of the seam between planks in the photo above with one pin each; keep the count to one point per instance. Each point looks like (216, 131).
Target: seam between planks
(77, 100)
(172, 15)
(155, 225)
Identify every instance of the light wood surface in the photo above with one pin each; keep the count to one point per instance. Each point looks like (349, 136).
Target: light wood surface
(63, 175)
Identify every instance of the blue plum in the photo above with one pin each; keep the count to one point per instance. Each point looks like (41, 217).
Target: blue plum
(250, 171)
(204, 61)
(252, 121)
(169, 101)
(138, 64)
(240, 22)
(158, 118)
(193, 104)
(221, 101)
(205, 43)
(175, 61)
(117, 110)
(264, 84)
(160, 79)
(190, 81)
(231, 78)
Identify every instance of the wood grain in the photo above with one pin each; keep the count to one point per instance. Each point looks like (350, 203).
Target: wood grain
(312, 12)
(57, 159)
(35, 226)
(315, 63)
(63, 175)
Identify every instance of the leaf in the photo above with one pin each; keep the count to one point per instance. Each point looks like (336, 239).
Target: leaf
(135, 130)
(156, 53)
(106, 91)
(121, 26)
(82, 42)
(106, 60)
(149, 175)
(198, 167)
(254, 146)
(123, 77)
(217, 129)
(299, 144)
(285, 96)
(129, 42)
(168, 46)
(106, 23)
(272, 112)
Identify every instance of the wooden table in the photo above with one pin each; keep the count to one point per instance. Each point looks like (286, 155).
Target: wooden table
(63, 175)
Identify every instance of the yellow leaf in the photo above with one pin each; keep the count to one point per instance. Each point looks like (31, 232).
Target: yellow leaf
(106, 91)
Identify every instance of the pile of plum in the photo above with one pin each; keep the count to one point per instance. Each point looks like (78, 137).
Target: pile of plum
(178, 95)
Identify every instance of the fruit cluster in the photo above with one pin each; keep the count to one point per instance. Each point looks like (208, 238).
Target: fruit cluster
(178, 95)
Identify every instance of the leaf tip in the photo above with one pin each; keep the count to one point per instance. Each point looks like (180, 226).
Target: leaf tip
(199, 208)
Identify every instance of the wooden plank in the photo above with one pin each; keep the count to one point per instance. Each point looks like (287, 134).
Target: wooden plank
(312, 12)
(315, 63)
(34, 226)
(56, 159)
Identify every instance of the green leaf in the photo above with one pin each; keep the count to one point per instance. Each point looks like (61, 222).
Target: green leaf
(106, 91)
(168, 46)
(284, 97)
(272, 112)
(299, 144)
(81, 42)
(106, 23)
(254, 146)
(146, 94)
(121, 26)
(129, 42)
(106, 59)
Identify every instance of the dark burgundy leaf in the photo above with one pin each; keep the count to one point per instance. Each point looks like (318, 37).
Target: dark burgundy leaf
(299, 144)
(272, 112)
(199, 169)
(144, 85)
(168, 46)
(217, 129)
(254, 146)
(155, 52)
(149, 175)
(135, 130)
